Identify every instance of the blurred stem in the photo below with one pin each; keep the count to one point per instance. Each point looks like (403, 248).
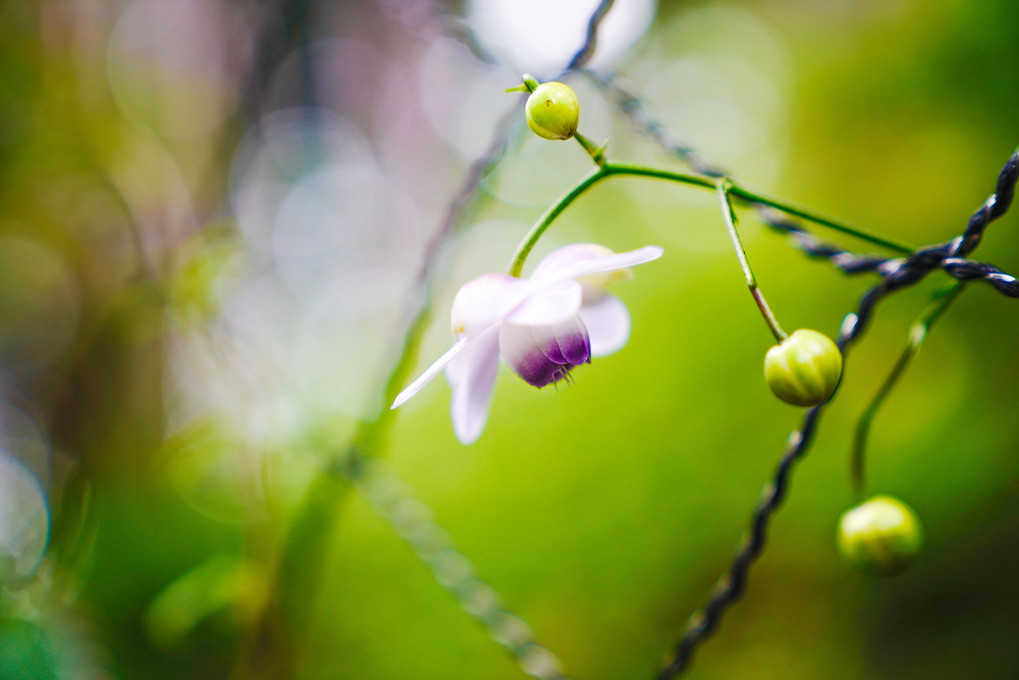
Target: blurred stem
(917, 333)
(273, 646)
(729, 215)
(289, 605)
(274, 642)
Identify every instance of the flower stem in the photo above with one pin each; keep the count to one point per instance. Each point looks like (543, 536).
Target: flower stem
(609, 169)
(917, 333)
(729, 215)
(549, 216)
(597, 153)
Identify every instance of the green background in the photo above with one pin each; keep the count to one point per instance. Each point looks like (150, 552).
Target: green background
(602, 512)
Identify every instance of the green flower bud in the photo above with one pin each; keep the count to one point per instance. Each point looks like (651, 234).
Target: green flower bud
(553, 111)
(804, 369)
(880, 536)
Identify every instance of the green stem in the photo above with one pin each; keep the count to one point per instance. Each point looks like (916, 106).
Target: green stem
(573, 193)
(658, 173)
(788, 208)
(608, 169)
(597, 153)
(917, 333)
(729, 214)
(549, 216)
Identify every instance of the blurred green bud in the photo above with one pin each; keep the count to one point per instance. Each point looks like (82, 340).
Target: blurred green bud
(553, 111)
(880, 536)
(804, 369)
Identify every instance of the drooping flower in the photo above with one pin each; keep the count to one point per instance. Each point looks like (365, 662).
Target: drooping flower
(542, 326)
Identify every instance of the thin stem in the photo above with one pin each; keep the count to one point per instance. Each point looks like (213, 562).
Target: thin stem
(729, 215)
(754, 197)
(549, 216)
(597, 153)
(917, 334)
(659, 173)
(573, 193)
(609, 169)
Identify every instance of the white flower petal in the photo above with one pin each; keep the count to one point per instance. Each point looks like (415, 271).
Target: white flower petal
(566, 256)
(548, 305)
(608, 324)
(562, 269)
(429, 373)
(545, 354)
(483, 302)
(473, 377)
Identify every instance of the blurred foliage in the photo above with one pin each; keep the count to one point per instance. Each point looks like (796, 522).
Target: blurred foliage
(199, 305)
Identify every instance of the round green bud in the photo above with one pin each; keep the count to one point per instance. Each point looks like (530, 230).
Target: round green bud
(880, 536)
(804, 369)
(553, 111)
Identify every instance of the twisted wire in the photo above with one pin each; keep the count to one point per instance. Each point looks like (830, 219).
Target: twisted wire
(950, 255)
(415, 523)
(816, 248)
(969, 270)
(453, 25)
(640, 117)
(896, 273)
(847, 261)
(905, 272)
(730, 586)
(645, 124)
(587, 50)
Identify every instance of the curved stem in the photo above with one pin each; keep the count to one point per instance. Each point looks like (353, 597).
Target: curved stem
(659, 173)
(573, 193)
(917, 334)
(609, 169)
(549, 216)
(597, 153)
(729, 214)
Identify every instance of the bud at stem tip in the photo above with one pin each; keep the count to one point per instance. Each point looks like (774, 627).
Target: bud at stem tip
(553, 111)
(804, 369)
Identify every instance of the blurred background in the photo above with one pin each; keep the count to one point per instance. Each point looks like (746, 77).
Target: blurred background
(213, 215)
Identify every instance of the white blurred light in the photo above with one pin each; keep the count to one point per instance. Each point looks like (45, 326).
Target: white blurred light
(715, 76)
(285, 148)
(24, 440)
(309, 193)
(540, 37)
(24, 519)
(462, 98)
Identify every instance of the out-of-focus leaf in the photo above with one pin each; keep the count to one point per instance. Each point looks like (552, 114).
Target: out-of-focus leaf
(225, 582)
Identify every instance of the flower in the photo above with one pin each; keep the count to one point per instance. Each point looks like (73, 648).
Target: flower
(543, 327)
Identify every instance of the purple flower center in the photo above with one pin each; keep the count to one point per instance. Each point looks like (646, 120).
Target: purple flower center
(545, 354)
